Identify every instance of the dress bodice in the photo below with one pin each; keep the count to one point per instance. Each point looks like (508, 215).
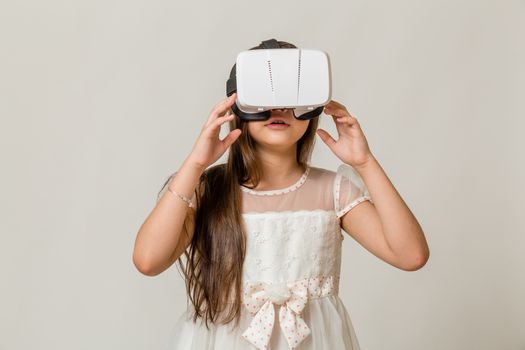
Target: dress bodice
(295, 232)
(291, 245)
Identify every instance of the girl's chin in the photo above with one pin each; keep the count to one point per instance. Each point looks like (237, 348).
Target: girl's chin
(278, 141)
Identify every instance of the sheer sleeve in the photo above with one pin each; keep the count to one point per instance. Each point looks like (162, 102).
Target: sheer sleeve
(349, 189)
(165, 186)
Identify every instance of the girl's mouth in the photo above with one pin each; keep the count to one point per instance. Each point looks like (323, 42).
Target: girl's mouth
(277, 126)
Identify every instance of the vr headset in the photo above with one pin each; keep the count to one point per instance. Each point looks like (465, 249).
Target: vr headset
(277, 78)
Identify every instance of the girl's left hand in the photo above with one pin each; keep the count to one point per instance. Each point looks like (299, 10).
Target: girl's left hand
(351, 147)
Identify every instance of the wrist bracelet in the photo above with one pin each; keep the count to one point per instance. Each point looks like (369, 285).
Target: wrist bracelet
(184, 198)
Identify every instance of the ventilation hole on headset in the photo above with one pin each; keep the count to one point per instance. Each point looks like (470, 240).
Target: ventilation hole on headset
(270, 72)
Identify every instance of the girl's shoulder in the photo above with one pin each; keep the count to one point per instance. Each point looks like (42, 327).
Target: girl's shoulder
(340, 170)
(329, 175)
(343, 181)
(319, 177)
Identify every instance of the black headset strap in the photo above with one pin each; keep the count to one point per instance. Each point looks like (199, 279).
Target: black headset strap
(270, 44)
(231, 84)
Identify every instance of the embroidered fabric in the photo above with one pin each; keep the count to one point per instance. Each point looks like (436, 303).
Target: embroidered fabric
(291, 270)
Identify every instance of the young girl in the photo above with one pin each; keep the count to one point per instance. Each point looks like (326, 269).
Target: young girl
(261, 234)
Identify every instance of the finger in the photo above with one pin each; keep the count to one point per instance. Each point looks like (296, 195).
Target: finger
(335, 116)
(221, 120)
(231, 138)
(349, 120)
(333, 104)
(227, 101)
(215, 125)
(337, 112)
(329, 104)
(336, 104)
(329, 140)
(222, 107)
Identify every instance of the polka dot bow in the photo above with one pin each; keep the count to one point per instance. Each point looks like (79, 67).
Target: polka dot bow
(259, 298)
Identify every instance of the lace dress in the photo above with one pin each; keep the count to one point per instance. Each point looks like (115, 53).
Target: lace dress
(291, 270)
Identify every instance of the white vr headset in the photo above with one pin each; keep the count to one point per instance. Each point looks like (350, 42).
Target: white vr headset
(277, 78)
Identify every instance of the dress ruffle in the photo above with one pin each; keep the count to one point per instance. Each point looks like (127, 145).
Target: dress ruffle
(333, 329)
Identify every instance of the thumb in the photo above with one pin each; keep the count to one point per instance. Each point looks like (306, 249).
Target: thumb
(326, 138)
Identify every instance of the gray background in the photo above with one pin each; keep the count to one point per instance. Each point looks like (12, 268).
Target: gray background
(101, 100)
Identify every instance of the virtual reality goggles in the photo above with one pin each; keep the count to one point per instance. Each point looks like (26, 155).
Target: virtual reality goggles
(277, 78)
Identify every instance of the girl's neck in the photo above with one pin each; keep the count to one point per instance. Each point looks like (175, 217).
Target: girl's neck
(279, 170)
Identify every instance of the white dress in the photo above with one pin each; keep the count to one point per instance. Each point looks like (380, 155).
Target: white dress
(291, 270)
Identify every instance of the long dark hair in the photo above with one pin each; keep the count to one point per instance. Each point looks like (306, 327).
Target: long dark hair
(215, 256)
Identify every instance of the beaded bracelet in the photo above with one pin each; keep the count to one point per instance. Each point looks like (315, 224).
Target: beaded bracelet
(184, 198)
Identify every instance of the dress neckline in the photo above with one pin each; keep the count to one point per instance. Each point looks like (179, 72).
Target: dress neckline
(290, 188)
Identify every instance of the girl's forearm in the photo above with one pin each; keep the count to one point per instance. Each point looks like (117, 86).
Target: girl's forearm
(400, 227)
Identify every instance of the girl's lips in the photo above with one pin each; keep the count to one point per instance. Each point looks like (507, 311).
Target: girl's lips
(278, 126)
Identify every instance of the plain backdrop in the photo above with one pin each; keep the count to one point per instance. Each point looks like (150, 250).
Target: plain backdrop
(101, 100)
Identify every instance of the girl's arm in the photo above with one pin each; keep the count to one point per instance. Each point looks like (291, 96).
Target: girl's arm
(387, 227)
(161, 238)
(168, 229)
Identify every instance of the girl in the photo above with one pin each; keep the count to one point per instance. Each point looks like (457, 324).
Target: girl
(261, 235)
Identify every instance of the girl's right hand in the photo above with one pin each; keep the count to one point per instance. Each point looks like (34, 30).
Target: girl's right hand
(208, 147)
